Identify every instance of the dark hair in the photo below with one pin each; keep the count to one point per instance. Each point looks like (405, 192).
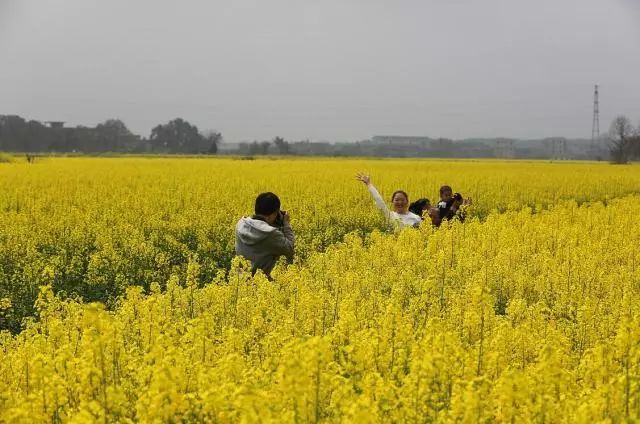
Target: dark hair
(267, 203)
(457, 197)
(393, 196)
(418, 206)
(445, 188)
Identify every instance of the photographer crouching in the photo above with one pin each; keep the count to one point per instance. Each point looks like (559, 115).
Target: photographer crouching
(265, 236)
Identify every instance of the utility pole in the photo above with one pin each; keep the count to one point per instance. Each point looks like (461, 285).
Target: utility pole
(595, 126)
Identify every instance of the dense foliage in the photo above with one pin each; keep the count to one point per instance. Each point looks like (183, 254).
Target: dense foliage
(527, 312)
(176, 136)
(92, 227)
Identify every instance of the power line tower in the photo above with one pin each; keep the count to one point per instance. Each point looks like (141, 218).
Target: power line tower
(595, 126)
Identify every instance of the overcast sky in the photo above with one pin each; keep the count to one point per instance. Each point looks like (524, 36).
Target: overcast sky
(324, 69)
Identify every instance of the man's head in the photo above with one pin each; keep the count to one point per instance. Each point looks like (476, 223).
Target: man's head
(268, 206)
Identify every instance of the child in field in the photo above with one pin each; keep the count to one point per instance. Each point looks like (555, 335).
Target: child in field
(400, 214)
(451, 205)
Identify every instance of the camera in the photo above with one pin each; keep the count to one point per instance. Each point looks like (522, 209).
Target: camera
(280, 218)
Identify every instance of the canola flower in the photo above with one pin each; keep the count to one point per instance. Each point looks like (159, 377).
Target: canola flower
(92, 227)
(519, 317)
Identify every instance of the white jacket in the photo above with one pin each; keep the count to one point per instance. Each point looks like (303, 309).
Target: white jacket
(409, 219)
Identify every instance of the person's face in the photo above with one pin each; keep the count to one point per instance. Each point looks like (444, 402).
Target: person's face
(446, 195)
(400, 202)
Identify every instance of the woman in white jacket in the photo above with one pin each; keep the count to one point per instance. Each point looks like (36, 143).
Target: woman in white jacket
(400, 214)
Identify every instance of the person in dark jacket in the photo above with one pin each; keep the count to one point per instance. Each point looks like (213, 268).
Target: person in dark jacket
(445, 204)
(265, 236)
(419, 206)
(451, 205)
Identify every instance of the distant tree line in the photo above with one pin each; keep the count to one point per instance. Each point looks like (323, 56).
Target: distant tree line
(176, 136)
(621, 144)
(277, 146)
(431, 148)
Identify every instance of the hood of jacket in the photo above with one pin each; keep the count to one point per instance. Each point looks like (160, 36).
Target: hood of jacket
(252, 231)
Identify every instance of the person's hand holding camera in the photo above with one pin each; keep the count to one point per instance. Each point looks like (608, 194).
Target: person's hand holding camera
(285, 217)
(282, 219)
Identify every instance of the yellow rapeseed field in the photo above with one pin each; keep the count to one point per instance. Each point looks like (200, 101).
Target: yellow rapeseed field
(527, 312)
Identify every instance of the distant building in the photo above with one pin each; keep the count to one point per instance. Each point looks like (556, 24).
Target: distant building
(55, 124)
(504, 148)
(228, 148)
(306, 148)
(401, 141)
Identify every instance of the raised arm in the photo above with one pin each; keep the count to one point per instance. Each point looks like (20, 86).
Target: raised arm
(376, 196)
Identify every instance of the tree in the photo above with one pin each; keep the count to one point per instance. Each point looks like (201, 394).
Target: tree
(178, 136)
(635, 142)
(264, 147)
(17, 134)
(258, 148)
(212, 139)
(113, 135)
(621, 135)
(14, 133)
(254, 148)
(281, 145)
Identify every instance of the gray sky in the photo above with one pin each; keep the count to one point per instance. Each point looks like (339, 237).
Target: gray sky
(324, 70)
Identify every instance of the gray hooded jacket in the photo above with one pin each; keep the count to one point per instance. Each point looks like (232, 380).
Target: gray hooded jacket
(263, 244)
